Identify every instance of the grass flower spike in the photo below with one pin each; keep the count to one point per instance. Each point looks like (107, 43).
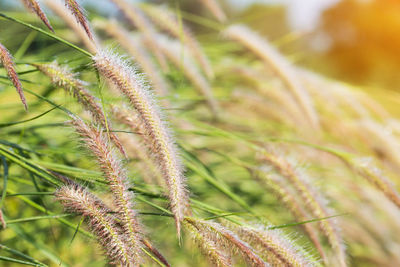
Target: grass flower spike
(8, 63)
(34, 6)
(275, 247)
(312, 200)
(280, 66)
(63, 77)
(136, 48)
(215, 253)
(178, 55)
(286, 165)
(157, 135)
(227, 240)
(144, 25)
(80, 16)
(215, 9)
(77, 199)
(168, 21)
(2, 221)
(63, 12)
(96, 141)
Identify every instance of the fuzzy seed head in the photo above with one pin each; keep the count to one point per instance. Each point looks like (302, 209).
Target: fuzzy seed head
(157, 135)
(173, 50)
(168, 21)
(312, 200)
(65, 78)
(216, 254)
(136, 48)
(8, 63)
(227, 239)
(77, 199)
(2, 221)
(215, 9)
(274, 246)
(136, 17)
(95, 140)
(34, 6)
(64, 13)
(285, 195)
(80, 16)
(279, 65)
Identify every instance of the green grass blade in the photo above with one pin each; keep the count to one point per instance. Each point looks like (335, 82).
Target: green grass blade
(8, 259)
(53, 36)
(5, 180)
(31, 167)
(2, 125)
(20, 254)
(36, 218)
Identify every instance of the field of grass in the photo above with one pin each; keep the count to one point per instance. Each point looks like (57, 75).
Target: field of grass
(145, 142)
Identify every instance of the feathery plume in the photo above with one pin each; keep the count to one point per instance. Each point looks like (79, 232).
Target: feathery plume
(311, 199)
(215, 9)
(2, 221)
(136, 148)
(65, 14)
(144, 25)
(34, 6)
(157, 134)
(96, 142)
(63, 77)
(117, 221)
(173, 50)
(77, 199)
(8, 63)
(277, 248)
(262, 106)
(155, 252)
(269, 88)
(380, 138)
(283, 194)
(228, 239)
(366, 169)
(80, 16)
(168, 21)
(135, 48)
(279, 65)
(209, 247)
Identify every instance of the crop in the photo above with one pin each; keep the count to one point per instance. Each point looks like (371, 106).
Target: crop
(169, 148)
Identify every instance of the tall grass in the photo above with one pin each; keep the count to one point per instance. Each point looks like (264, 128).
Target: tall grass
(153, 178)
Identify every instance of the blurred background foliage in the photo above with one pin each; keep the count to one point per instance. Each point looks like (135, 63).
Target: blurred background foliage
(351, 40)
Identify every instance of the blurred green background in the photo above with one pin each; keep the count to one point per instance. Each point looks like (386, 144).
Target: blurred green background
(350, 40)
